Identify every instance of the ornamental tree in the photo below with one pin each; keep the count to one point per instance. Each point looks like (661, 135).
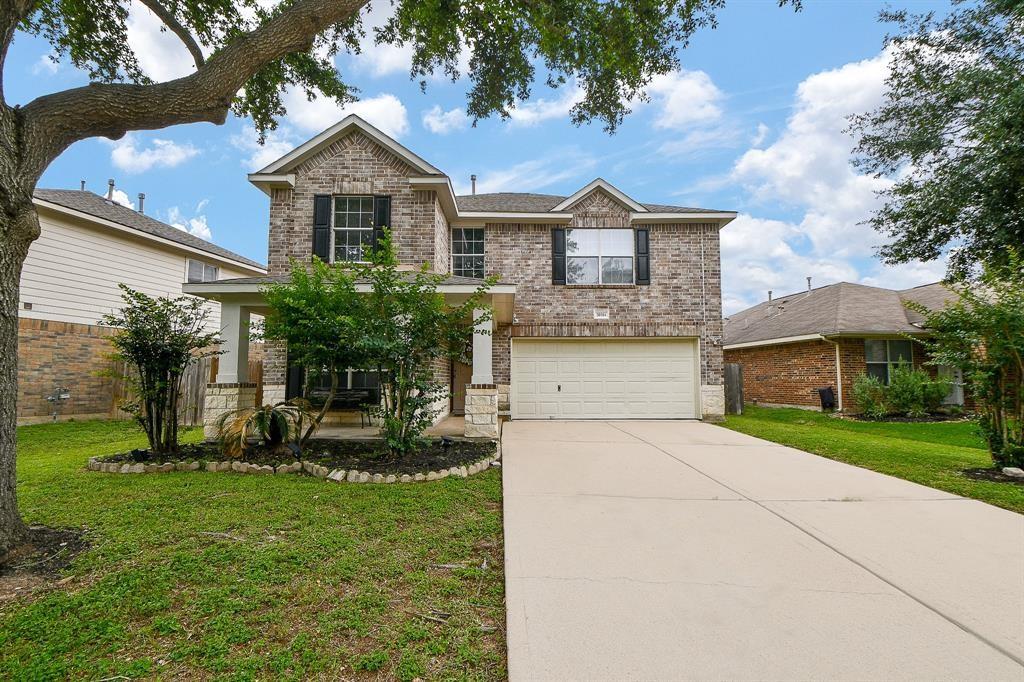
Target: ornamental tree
(246, 52)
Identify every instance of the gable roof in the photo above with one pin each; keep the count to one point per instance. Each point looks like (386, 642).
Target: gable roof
(599, 183)
(337, 131)
(93, 205)
(836, 309)
(526, 202)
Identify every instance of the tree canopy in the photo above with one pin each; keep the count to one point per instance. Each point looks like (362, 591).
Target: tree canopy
(950, 133)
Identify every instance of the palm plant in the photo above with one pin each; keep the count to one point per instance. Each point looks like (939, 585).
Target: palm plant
(276, 426)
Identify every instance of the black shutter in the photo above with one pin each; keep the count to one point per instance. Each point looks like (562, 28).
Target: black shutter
(293, 382)
(558, 256)
(381, 217)
(322, 227)
(643, 256)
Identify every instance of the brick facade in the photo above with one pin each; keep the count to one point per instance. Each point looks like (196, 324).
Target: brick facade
(63, 354)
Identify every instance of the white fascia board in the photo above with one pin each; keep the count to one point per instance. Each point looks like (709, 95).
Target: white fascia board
(607, 187)
(442, 185)
(269, 181)
(511, 217)
(328, 136)
(131, 231)
(721, 217)
(214, 289)
(774, 342)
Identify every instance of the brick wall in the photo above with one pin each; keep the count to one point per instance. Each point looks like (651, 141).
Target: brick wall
(787, 374)
(53, 354)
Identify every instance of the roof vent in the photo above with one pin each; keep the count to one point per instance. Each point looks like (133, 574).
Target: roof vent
(472, 181)
(142, 201)
(82, 185)
(110, 189)
(808, 284)
(769, 295)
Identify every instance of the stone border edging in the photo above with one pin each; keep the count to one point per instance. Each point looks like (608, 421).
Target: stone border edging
(296, 467)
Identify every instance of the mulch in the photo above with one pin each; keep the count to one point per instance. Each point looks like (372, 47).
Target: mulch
(362, 455)
(38, 561)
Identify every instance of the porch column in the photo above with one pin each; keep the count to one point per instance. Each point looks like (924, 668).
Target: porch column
(233, 365)
(482, 356)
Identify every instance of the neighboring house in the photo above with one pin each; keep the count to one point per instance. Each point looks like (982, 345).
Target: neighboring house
(87, 246)
(791, 346)
(606, 307)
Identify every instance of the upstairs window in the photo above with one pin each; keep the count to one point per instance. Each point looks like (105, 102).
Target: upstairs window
(468, 252)
(599, 256)
(881, 355)
(198, 271)
(352, 228)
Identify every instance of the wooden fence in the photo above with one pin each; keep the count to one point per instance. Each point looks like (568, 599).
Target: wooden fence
(193, 388)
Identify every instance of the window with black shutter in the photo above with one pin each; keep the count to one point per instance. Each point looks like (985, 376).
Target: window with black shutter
(322, 227)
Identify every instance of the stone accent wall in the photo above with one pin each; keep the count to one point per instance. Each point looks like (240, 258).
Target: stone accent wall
(482, 412)
(683, 299)
(356, 164)
(53, 354)
(221, 398)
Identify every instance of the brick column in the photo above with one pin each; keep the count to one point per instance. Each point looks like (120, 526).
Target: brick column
(222, 398)
(481, 411)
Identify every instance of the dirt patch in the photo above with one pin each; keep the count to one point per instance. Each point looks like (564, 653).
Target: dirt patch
(362, 455)
(992, 474)
(38, 561)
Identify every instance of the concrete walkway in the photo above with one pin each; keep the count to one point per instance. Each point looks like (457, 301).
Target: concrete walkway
(680, 550)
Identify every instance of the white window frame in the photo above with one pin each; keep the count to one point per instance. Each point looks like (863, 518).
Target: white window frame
(888, 362)
(452, 255)
(334, 230)
(600, 257)
(206, 268)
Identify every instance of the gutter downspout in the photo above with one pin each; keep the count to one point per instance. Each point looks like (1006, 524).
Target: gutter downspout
(839, 373)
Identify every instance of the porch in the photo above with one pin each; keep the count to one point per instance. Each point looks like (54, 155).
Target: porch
(241, 299)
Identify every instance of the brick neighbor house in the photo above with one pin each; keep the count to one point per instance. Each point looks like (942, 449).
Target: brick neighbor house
(88, 244)
(606, 307)
(791, 346)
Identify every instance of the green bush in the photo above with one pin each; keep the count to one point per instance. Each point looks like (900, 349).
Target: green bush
(869, 392)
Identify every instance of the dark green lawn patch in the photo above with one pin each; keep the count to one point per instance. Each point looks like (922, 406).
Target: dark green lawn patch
(361, 455)
(197, 576)
(936, 454)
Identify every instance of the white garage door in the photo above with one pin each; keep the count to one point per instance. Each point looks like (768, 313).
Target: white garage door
(604, 379)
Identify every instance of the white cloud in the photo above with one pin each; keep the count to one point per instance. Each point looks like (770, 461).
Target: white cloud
(532, 112)
(760, 135)
(278, 143)
(529, 176)
(121, 197)
(385, 111)
(160, 53)
(45, 65)
(127, 156)
(443, 122)
(196, 225)
(684, 99)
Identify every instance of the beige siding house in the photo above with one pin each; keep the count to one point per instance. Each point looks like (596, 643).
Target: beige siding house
(87, 246)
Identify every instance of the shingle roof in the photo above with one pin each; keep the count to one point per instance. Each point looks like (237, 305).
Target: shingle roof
(95, 205)
(842, 308)
(525, 202)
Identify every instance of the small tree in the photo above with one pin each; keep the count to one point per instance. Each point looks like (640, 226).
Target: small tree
(159, 338)
(406, 327)
(315, 313)
(983, 334)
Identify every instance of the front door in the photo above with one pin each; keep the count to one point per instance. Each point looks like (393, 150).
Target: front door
(462, 374)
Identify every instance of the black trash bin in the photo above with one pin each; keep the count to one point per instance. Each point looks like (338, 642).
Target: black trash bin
(828, 398)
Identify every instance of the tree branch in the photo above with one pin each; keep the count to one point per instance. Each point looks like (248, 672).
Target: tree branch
(53, 122)
(171, 22)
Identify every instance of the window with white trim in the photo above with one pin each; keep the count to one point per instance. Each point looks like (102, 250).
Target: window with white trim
(468, 252)
(352, 228)
(881, 355)
(599, 256)
(198, 271)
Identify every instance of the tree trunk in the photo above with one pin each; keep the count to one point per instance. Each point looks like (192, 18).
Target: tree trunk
(19, 226)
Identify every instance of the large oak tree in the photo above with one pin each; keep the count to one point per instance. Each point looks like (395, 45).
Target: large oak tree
(247, 51)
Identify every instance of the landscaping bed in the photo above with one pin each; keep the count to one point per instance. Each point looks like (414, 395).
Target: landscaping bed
(349, 455)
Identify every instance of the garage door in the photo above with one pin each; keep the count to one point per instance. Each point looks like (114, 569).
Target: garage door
(604, 379)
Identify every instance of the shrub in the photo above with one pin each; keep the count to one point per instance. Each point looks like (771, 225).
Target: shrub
(273, 425)
(913, 392)
(869, 392)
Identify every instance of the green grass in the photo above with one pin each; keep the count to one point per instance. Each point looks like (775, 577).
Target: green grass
(324, 580)
(932, 454)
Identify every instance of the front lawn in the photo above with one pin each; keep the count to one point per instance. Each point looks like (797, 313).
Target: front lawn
(933, 454)
(199, 575)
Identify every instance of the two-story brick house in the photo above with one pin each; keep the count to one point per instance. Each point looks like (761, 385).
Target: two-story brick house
(606, 307)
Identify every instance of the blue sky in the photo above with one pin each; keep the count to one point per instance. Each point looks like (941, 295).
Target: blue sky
(752, 122)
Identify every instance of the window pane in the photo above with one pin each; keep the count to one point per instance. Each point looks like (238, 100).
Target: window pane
(194, 270)
(899, 351)
(617, 270)
(880, 370)
(581, 270)
(616, 242)
(582, 242)
(210, 273)
(366, 205)
(874, 350)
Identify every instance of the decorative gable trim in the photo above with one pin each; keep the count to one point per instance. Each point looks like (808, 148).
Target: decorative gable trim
(600, 183)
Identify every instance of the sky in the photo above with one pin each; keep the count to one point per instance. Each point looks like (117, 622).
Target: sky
(752, 122)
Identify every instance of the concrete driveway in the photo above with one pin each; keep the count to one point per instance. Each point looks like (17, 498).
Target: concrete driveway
(681, 550)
